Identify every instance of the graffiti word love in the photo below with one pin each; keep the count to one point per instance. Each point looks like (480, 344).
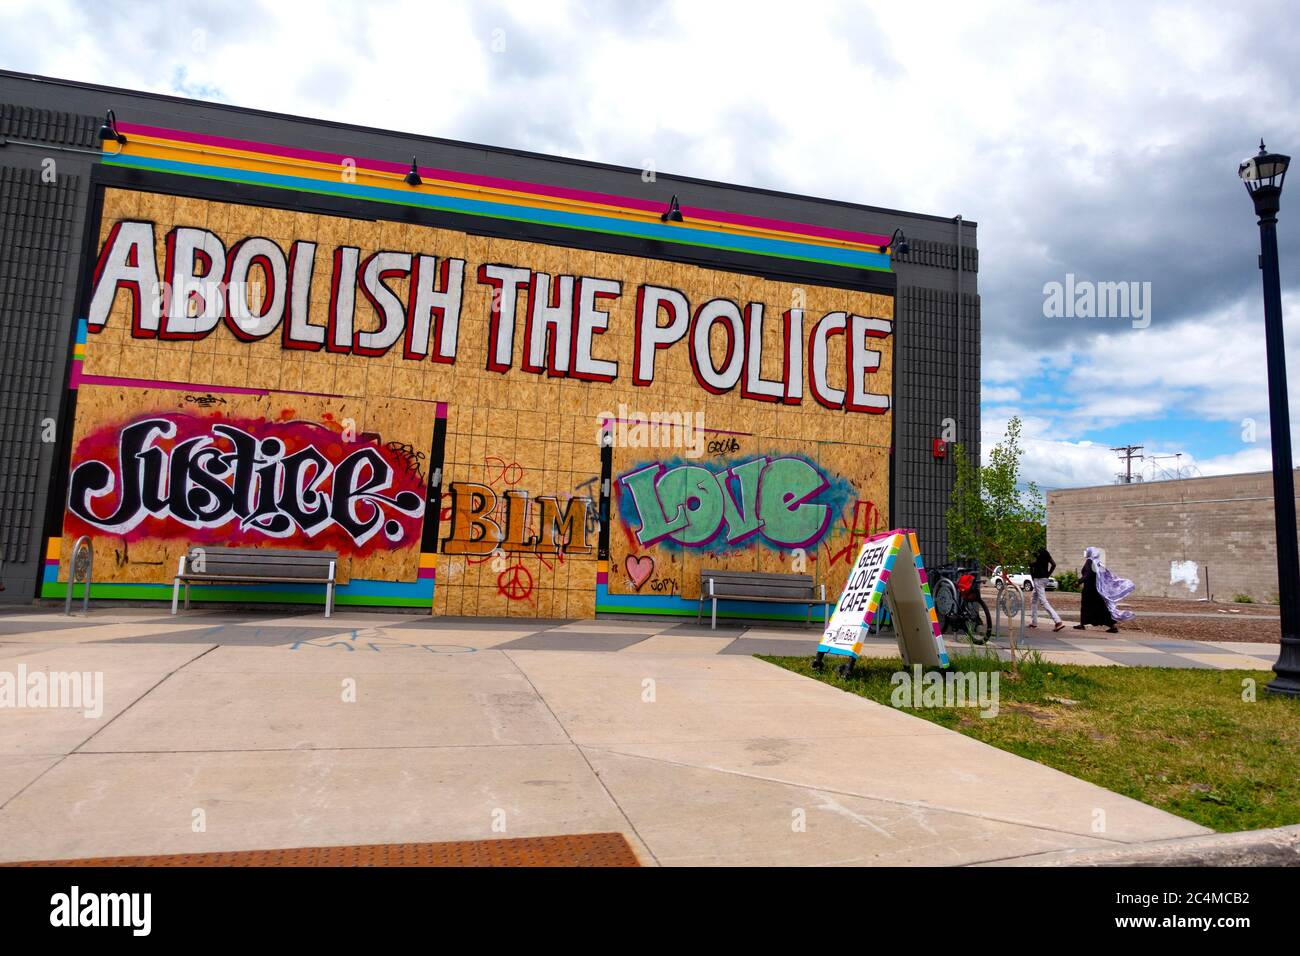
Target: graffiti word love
(785, 501)
(179, 473)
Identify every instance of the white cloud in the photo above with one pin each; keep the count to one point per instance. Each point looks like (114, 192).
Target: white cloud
(1212, 366)
(1004, 393)
(1047, 462)
(1063, 464)
(1248, 459)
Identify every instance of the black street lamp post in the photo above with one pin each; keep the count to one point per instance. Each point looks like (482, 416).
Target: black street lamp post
(1263, 175)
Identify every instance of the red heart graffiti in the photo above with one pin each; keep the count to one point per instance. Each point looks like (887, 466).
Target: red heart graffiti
(639, 569)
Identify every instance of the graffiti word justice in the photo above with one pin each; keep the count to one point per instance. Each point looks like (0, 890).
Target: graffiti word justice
(203, 484)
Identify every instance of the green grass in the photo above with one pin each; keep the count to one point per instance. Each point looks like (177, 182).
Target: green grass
(1182, 740)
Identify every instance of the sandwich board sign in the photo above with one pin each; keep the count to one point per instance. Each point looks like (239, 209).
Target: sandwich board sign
(889, 567)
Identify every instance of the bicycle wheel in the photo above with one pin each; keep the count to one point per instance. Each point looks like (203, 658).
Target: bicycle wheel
(975, 621)
(946, 602)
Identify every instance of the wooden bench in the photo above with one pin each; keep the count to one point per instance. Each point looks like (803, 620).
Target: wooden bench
(758, 586)
(209, 565)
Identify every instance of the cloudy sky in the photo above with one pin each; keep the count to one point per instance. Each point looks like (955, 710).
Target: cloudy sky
(1098, 140)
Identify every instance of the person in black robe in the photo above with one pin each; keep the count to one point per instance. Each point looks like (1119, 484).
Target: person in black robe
(1092, 608)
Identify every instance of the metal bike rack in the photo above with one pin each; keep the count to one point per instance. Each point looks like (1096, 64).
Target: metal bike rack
(80, 567)
(997, 618)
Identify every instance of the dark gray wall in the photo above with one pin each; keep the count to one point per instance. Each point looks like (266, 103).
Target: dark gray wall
(938, 356)
(40, 267)
(43, 196)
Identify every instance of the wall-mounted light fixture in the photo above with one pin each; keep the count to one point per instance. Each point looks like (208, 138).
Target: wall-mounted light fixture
(108, 132)
(674, 213)
(413, 177)
(897, 243)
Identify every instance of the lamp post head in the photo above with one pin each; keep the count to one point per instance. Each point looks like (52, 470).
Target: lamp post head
(1263, 175)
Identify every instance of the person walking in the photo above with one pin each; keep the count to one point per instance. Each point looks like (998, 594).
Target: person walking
(1040, 572)
(1102, 590)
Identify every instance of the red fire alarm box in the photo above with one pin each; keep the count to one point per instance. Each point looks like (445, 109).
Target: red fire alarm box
(939, 448)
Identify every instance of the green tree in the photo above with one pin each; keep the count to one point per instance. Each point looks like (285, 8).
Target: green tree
(995, 517)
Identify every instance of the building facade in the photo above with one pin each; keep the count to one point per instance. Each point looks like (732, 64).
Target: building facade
(1190, 538)
(495, 383)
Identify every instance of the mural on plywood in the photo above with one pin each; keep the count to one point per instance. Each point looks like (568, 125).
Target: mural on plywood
(606, 425)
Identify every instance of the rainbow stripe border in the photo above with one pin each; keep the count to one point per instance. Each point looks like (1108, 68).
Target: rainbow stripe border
(672, 605)
(358, 591)
(225, 159)
(78, 354)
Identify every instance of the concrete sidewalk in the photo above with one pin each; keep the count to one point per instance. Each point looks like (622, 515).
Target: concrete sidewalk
(365, 632)
(699, 758)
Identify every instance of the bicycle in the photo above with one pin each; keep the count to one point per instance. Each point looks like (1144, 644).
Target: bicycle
(958, 604)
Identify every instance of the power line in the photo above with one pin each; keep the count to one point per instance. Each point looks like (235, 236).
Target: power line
(1159, 472)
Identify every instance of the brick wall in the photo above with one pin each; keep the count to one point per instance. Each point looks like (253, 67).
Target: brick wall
(1223, 526)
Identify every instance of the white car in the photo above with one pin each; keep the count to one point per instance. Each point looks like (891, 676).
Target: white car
(1020, 579)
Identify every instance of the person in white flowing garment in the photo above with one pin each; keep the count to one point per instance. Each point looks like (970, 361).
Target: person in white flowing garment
(1102, 592)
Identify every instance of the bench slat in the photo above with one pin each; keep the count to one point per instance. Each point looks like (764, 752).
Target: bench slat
(265, 552)
(251, 578)
(785, 594)
(749, 583)
(252, 570)
(258, 557)
(251, 563)
(274, 562)
(766, 580)
(803, 599)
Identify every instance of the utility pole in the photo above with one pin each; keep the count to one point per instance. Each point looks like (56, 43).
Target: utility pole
(1130, 452)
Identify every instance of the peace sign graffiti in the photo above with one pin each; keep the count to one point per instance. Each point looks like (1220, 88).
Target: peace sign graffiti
(515, 582)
